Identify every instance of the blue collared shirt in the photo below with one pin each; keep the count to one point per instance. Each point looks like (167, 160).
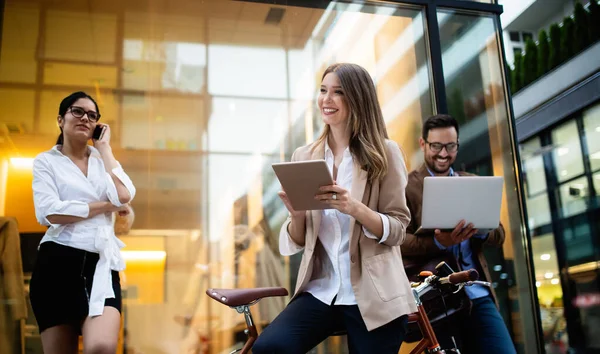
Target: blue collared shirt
(474, 291)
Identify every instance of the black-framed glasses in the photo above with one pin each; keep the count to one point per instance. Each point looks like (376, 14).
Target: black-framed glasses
(79, 112)
(437, 147)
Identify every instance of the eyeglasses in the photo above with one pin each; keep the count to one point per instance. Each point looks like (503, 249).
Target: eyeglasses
(79, 112)
(437, 147)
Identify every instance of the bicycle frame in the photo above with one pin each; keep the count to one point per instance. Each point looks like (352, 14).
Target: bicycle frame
(429, 341)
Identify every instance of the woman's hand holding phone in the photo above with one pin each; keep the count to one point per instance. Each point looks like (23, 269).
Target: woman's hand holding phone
(101, 136)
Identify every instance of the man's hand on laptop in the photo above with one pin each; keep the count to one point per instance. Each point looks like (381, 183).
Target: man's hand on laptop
(458, 235)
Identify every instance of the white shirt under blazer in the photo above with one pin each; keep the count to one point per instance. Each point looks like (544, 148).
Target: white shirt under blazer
(342, 258)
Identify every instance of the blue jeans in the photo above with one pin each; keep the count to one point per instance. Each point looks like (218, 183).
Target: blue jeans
(481, 331)
(306, 322)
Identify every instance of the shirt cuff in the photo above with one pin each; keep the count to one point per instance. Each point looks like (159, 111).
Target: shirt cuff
(481, 236)
(69, 208)
(386, 229)
(113, 195)
(440, 246)
(287, 246)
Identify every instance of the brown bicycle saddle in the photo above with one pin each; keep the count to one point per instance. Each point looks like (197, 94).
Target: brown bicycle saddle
(240, 297)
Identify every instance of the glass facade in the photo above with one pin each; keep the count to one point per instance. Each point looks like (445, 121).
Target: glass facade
(562, 187)
(202, 96)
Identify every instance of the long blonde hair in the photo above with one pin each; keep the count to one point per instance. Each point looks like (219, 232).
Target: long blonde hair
(367, 127)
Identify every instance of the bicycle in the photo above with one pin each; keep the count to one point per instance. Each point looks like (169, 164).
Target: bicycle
(242, 299)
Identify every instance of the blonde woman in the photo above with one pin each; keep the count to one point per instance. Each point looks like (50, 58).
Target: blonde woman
(351, 277)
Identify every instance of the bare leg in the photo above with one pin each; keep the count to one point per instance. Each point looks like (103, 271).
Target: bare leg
(60, 339)
(101, 333)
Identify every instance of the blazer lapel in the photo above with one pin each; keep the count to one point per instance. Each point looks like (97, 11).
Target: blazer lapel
(318, 153)
(359, 182)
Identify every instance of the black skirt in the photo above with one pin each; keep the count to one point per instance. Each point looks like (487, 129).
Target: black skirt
(61, 284)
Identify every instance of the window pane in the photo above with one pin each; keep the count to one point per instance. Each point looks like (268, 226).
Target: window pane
(538, 207)
(567, 156)
(538, 211)
(549, 290)
(474, 81)
(533, 166)
(18, 54)
(95, 41)
(163, 52)
(574, 197)
(202, 97)
(596, 178)
(242, 71)
(591, 123)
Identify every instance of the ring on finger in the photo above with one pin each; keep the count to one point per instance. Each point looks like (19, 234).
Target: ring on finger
(334, 196)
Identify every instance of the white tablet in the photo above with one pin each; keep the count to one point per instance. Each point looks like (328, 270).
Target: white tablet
(301, 181)
(448, 200)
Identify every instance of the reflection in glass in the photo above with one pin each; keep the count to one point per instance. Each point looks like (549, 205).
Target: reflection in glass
(568, 159)
(538, 211)
(246, 125)
(591, 123)
(574, 197)
(596, 178)
(578, 238)
(533, 165)
(538, 207)
(549, 291)
(475, 92)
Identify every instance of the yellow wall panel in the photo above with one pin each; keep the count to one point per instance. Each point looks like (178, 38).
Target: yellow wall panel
(19, 199)
(83, 75)
(17, 107)
(49, 102)
(96, 39)
(19, 40)
(167, 28)
(145, 274)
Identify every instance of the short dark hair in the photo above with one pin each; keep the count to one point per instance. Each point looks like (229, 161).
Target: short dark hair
(68, 102)
(439, 121)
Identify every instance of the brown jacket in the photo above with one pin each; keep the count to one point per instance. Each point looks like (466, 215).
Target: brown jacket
(377, 274)
(12, 285)
(422, 247)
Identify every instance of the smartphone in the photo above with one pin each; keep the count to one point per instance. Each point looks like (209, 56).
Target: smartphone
(98, 132)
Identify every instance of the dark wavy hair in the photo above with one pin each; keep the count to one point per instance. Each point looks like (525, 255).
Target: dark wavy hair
(439, 121)
(66, 103)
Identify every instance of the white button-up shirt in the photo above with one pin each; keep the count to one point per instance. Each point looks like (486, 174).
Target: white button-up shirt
(334, 234)
(60, 188)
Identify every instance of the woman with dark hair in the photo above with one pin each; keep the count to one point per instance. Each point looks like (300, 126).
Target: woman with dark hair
(351, 277)
(75, 287)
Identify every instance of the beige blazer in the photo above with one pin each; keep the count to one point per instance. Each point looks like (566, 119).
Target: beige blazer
(378, 278)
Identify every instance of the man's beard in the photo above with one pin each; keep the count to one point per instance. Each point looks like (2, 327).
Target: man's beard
(431, 166)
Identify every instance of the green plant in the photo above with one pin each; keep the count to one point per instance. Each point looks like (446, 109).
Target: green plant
(554, 57)
(567, 33)
(522, 72)
(515, 74)
(530, 62)
(594, 28)
(581, 28)
(543, 54)
(456, 106)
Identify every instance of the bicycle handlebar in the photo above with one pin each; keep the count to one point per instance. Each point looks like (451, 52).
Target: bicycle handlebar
(460, 277)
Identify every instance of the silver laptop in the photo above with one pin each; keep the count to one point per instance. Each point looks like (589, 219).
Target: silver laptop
(447, 200)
